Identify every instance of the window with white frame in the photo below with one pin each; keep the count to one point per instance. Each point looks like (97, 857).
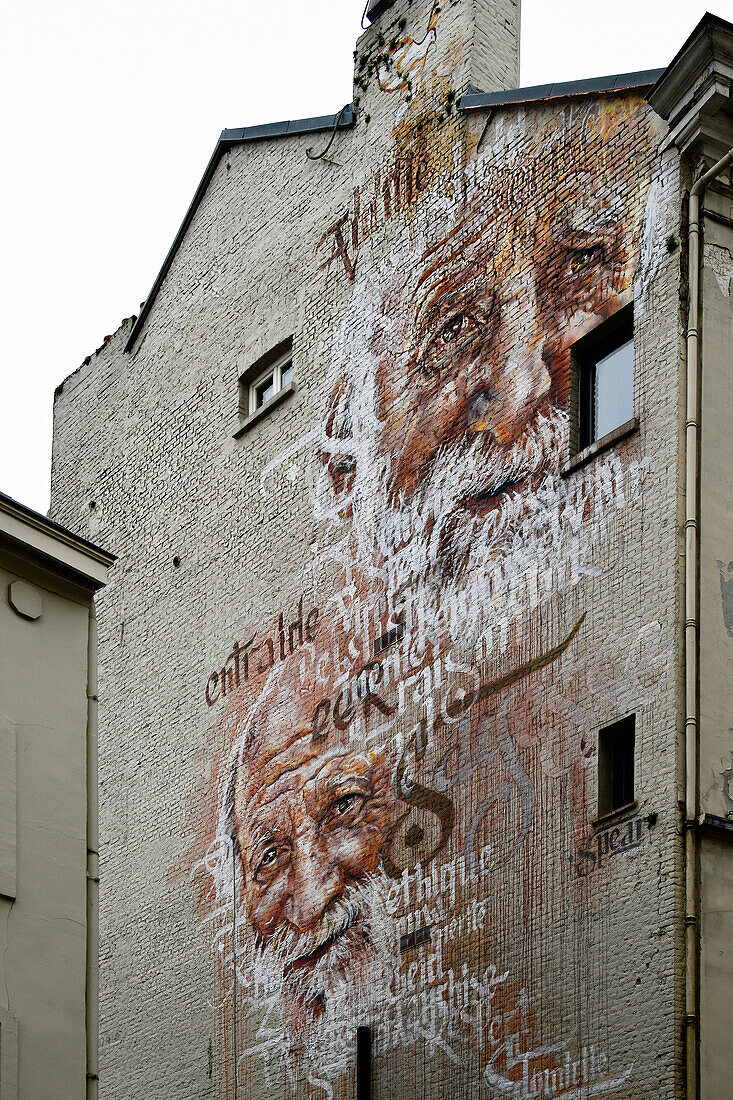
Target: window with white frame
(269, 379)
(263, 388)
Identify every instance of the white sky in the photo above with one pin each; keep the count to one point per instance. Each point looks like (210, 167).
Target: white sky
(111, 111)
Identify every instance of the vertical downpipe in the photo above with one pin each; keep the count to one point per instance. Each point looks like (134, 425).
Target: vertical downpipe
(692, 625)
(92, 975)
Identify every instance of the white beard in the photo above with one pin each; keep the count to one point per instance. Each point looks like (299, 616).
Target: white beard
(460, 538)
(356, 924)
(429, 545)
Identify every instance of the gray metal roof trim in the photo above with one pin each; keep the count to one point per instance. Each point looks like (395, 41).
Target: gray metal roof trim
(343, 119)
(618, 83)
(720, 827)
(376, 7)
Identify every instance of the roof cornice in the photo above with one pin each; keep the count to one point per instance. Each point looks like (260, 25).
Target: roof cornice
(622, 82)
(60, 548)
(694, 94)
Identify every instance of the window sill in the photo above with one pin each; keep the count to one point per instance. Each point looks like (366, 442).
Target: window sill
(600, 445)
(607, 819)
(276, 398)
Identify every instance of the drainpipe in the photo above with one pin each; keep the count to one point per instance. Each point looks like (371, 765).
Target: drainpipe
(92, 975)
(692, 625)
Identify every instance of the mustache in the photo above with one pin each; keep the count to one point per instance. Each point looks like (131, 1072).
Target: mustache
(414, 531)
(288, 946)
(536, 449)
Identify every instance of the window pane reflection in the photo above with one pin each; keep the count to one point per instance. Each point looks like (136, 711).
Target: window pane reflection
(264, 391)
(614, 389)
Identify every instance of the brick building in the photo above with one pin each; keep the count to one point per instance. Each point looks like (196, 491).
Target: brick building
(415, 773)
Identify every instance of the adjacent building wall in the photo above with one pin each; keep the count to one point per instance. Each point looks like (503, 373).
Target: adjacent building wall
(716, 646)
(44, 634)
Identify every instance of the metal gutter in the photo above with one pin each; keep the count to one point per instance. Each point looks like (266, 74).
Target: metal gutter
(620, 83)
(227, 140)
(692, 624)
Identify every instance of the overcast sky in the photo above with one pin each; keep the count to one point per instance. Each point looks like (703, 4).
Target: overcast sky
(111, 110)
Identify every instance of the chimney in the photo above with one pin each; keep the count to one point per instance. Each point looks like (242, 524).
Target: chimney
(467, 43)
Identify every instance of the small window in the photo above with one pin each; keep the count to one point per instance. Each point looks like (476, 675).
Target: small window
(616, 765)
(265, 383)
(263, 388)
(605, 370)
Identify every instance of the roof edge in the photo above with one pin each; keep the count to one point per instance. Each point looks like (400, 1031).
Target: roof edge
(345, 119)
(342, 120)
(619, 82)
(26, 527)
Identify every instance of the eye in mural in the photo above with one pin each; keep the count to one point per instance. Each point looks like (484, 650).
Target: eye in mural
(389, 786)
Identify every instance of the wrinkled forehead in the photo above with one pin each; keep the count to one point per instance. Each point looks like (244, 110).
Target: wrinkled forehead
(496, 236)
(292, 761)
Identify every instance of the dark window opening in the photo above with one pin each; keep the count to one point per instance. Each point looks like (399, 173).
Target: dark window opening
(363, 1063)
(414, 939)
(605, 369)
(394, 634)
(264, 391)
(616, 765)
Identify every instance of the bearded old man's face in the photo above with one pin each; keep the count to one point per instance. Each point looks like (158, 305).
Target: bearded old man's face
(472, 357)
(310, 822)
(478, 349)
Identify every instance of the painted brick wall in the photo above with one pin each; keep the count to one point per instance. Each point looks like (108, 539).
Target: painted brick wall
(278, 815)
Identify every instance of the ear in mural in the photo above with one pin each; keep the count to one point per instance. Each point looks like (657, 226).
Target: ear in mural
(395, 771)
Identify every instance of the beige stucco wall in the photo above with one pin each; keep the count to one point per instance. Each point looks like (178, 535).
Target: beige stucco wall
(716, 517)
(716, 942)
(43, 676)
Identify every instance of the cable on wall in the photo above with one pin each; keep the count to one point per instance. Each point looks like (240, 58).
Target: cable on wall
(318, 156)
(234, 959)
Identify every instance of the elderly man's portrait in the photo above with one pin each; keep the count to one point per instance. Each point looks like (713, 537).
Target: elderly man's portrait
(347, 827)
(304, 821)
(452, 403)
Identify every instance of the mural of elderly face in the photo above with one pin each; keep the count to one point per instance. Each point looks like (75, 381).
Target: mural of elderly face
(471, 349)
(309, 820)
